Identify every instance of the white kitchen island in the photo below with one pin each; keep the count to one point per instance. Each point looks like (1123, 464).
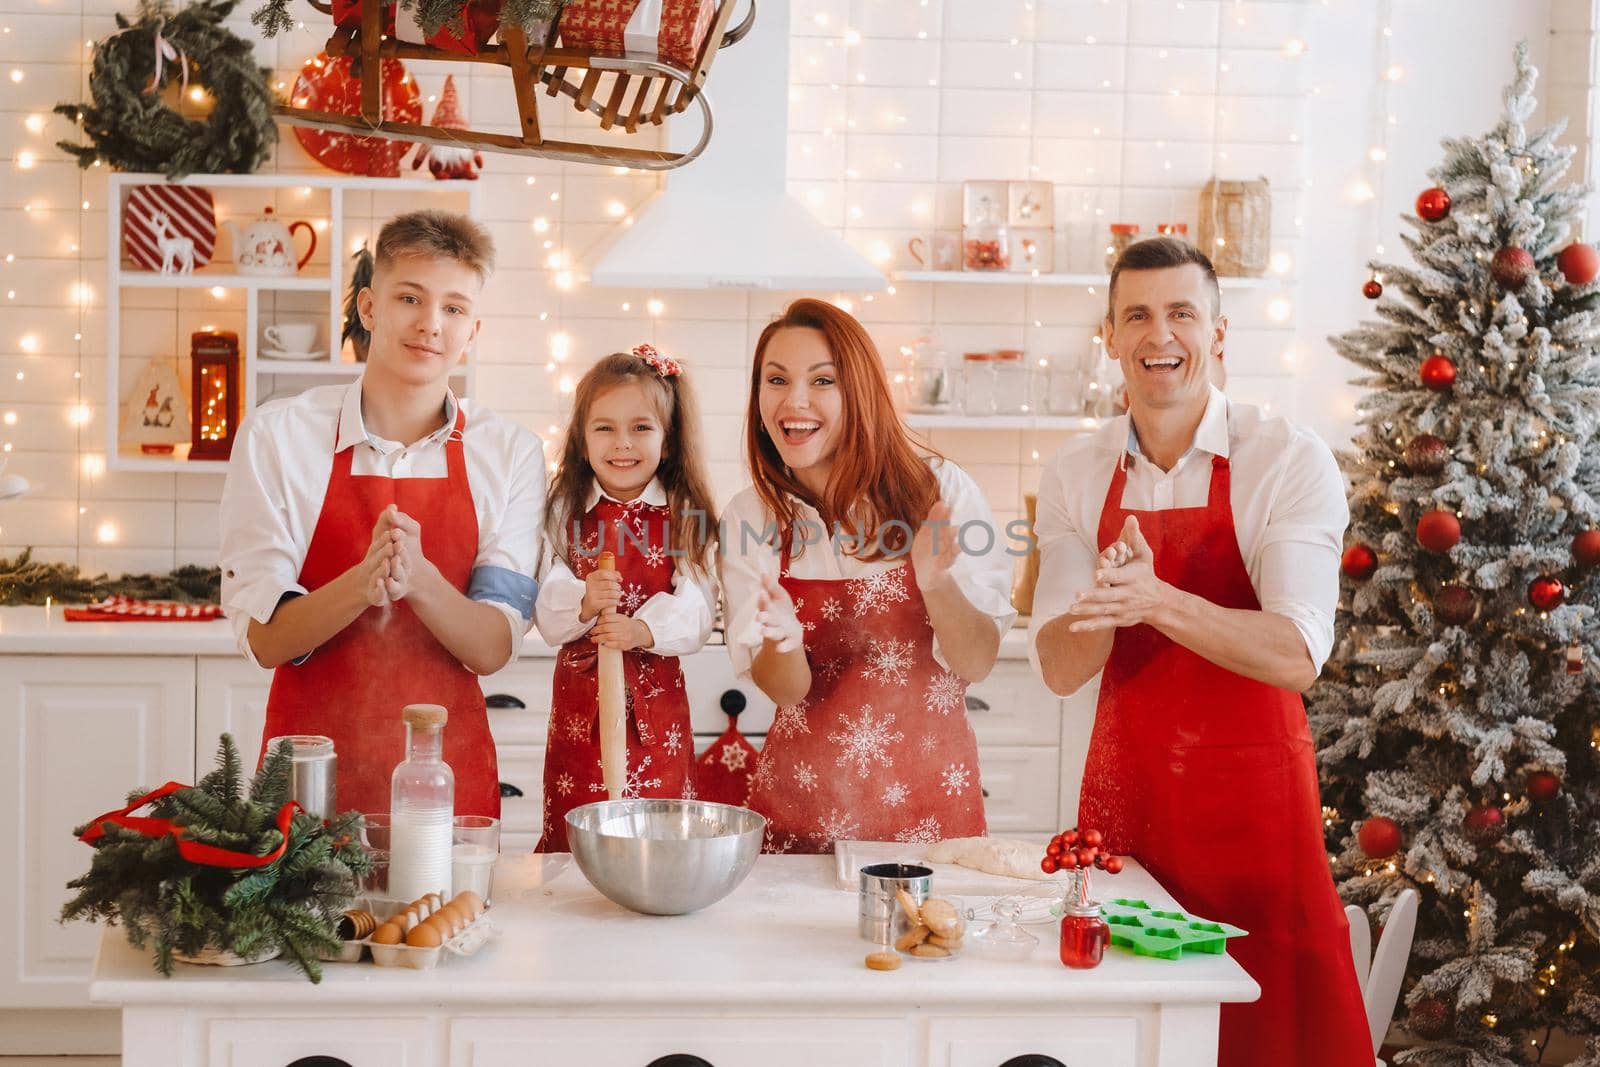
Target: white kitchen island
(771, 976)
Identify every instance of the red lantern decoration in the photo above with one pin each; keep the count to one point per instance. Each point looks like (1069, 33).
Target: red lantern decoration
(1546, 593)
(1433, 204)
(1543, 785)
(1438, 531)
(1426, 454)
(1455, 605)
(214, 393)
(1586, 549)
(1511, 267)
(1373, 289)
(1358, 562)
(1379, 837)
(1438, 372)
(1484, 824)
(1579, 264)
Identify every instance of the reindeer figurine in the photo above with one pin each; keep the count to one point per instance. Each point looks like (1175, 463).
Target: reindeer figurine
(173, 247)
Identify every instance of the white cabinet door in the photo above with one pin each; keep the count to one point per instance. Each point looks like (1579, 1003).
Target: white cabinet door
(518, 697)
(633, 1041)
(1061, 1041)
(77, 733)
(1019, 786)
(230, 697)
(1013, 707)
(283, 1042)
(521, 817)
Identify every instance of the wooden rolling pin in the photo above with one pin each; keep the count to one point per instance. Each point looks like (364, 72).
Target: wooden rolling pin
(613, 708)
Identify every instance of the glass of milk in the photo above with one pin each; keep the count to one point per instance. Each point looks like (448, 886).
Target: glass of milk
(475, 848)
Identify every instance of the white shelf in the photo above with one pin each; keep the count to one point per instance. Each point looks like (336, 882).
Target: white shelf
(1083, 281)
(204, 279)
(955, 421)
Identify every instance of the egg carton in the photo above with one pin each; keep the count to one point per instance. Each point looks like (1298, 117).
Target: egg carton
(467, 942)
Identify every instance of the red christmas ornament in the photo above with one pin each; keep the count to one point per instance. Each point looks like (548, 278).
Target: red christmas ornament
(1113, 864)
(1358, 562)
(1438, 531)
(1048, 865)
(1373, 289)
(1093, 839)
(1484, 824)
(1379, 837)
(1579, 264)
(1438, 372)
(1543, 785)
(1429, 1018)
(328, 85)
(1455, 605)
(1426, 454)
(1433, 204)
(1511, 267)
(1586, 548)
(1546, 593)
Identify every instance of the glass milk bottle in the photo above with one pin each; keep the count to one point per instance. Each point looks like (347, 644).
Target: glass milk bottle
(422, 803)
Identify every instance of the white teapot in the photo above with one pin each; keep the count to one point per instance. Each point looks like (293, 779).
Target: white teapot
(266, 246)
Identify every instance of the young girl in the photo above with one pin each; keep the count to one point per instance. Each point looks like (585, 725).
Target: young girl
(631, 482)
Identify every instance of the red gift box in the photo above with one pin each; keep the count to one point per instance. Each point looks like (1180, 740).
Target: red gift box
(482, 23)
(673, 29)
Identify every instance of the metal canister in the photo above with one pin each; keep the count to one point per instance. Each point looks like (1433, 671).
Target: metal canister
(312, 780)
(877, 901)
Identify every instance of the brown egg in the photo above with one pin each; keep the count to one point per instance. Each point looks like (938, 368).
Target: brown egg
(445, 924)
(471, 900)
(388, 934)
(425, 936)
(461, 916)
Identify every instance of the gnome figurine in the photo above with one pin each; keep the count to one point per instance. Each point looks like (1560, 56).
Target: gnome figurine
(449, 163)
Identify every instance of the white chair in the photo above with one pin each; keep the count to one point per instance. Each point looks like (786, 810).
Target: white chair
(1379, 973)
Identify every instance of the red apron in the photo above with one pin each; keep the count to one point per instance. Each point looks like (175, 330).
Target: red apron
(880, 748)
(660, 745)
(354, 686)
(1209, 779)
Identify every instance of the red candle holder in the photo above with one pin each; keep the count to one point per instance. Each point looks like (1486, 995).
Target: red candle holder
(214, 395)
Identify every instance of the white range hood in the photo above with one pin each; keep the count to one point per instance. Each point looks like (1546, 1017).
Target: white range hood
(726, 220)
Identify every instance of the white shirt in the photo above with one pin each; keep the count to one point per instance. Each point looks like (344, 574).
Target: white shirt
(278, 475)
(1289, 512)
(982, 570)
(680, 621)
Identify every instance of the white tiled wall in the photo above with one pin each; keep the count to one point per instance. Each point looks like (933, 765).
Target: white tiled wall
(1127, 106)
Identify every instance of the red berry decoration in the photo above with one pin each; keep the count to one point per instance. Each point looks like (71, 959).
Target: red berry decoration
(1093, 839)
(1438, 372)
(1373, 289)
(1543, 785)
(1511, 267)
(1358, 562)
(1438, 531)
(1048, 865)
(1455, 605)
(1546, 593)
(1085, 857)
(1053, 849)
(1426, 454)
(1113, 864)
(1069, 838)
(1429, 1018)
(1433, 204)
(1586, 548)
(1484, 824)
(1379, 837)
(1579, 264)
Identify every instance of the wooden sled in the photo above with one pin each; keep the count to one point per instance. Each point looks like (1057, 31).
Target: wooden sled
(624, 90)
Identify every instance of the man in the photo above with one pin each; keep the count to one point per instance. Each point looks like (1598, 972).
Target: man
(1189, 555)
(380, 539)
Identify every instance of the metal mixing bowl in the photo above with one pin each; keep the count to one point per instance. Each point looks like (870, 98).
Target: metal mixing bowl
(664, 857)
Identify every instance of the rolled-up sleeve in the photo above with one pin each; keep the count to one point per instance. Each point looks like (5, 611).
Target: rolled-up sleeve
(504, 574)
(260, 556)
(1067, 558)
(1296, 572)
(983, 568)
(680, 621)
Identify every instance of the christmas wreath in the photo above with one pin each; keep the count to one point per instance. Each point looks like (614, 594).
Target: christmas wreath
(129, 125)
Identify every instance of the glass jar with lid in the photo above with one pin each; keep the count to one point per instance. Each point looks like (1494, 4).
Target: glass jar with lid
(930, 382)
(1066, 385)
(1011, 381)
(1122, 235)
(977, 383)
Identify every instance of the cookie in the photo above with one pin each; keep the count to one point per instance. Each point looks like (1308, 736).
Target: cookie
(941, 917)
(929, 951)
(882, 961)
(908, 904)
(943, 942)
(911, 938)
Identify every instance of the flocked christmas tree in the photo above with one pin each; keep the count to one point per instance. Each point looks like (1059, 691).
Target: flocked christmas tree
(1457, 720)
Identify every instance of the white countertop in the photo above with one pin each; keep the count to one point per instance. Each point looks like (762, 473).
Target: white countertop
(36, 630)
(786, 936)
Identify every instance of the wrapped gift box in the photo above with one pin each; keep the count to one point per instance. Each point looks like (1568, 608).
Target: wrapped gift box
(671, 29)
(482, 22)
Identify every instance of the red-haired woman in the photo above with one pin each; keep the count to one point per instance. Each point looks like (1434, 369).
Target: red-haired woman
(865, 586)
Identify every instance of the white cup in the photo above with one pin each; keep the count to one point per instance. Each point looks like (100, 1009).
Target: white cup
(296, 337)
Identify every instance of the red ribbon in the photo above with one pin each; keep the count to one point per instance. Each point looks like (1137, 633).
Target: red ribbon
(193, 851)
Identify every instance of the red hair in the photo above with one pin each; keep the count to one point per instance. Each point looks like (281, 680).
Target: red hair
(878, 474)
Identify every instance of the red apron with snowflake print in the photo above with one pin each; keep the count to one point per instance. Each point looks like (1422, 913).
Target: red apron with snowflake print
(1209, 779)
(880, 749)
(355, 685)
(660, 746)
